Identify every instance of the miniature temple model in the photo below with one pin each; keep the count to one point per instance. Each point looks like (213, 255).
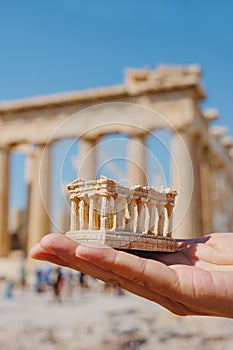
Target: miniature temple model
(138, 218)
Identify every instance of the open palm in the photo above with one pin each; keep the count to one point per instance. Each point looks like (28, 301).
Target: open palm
(197, 280)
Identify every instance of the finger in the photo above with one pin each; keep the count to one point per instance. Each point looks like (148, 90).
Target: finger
(58, 244)
(65, 249)
(209, 250)
(152, 275)
(39, 253)
(58, 249)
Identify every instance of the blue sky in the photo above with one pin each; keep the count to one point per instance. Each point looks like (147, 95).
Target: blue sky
(62, 45)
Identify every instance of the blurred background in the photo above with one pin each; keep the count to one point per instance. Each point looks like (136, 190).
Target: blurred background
(54, 49)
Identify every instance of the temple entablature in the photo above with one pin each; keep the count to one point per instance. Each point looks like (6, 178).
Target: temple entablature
(164, 78)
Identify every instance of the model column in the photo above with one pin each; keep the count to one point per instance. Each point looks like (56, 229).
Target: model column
(87, 159)
(4, 197)
(137, 160)
(39, 198)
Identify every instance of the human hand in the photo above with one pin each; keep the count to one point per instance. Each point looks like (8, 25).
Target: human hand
(196, 280)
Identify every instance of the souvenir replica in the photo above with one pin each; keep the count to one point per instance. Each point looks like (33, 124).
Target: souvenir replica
(136, 218)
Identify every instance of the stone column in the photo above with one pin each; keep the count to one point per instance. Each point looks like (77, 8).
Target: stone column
(169, 219)
(137, 160)
(4, 198)
(40, 188)
(82, 214)
(129, 225)
(86, 213)
(74, 220)
(186, 179)
(222, 202)
(93, 212)
(120, 214)
(87, 159)
(152, 217)
(209, 193)
(161, 219)
(111, 212)
(104, 219)
(227, 198)
(141, 216)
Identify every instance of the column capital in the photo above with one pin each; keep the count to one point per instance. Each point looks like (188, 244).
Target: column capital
(43, 145)
(139, 134)
(86, 138)
(6, 148)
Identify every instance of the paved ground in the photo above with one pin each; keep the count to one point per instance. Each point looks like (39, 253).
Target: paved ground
(97, 320)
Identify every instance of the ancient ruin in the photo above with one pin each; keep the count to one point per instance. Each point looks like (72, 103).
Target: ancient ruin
(174, 92)
(138, 218)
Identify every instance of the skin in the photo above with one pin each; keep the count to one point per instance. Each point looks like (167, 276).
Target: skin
(197, 280)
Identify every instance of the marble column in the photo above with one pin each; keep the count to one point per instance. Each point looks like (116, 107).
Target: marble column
(136, 155)
(104, 215)
(93, 212)
(161, 219)
(82, 214)
(74, 220)
(129, 224)
(111, 212)
(4, 199)
(227, 198)
(222, 203)
(169, 220)
(87, 159)
(209, 194)
(185, 152)
(39, 200)
(152, 217)
(141, 216)
(86, 213)
(120, 213)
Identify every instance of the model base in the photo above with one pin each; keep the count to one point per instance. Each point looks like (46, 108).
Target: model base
(125, 240)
